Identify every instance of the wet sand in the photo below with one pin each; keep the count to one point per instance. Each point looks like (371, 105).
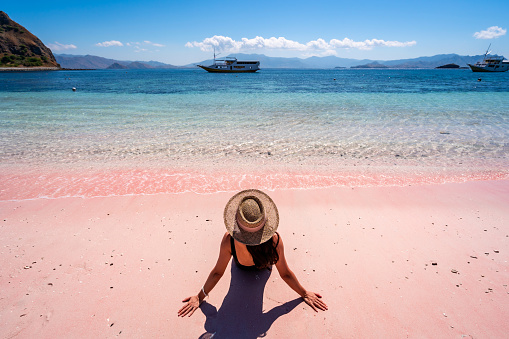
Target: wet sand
(414, 261)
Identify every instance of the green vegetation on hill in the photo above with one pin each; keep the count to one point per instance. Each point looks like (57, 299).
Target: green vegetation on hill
(7, 28)
(21, 60)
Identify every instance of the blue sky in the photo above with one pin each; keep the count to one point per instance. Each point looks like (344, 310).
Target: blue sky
(182, 32)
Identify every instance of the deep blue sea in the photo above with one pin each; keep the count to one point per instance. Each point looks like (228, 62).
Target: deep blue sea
(371, 123)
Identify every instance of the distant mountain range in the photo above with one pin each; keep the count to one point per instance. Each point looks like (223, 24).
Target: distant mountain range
(95, 62)
(336, 62)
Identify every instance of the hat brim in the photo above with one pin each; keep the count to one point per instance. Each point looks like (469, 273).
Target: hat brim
(245, 237)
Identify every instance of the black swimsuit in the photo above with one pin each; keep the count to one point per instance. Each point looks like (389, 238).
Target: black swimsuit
(239, 265)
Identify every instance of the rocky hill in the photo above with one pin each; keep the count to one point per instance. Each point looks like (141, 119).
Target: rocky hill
(116, 65)
(20, 48)
(374, 64)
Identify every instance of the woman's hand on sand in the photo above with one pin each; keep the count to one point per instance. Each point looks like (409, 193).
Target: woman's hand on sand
(192, 304)
(313, 300)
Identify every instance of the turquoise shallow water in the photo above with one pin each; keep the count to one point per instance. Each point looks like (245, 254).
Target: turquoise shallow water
(415, 122)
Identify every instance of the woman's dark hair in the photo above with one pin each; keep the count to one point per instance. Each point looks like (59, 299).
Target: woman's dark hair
(265, 254)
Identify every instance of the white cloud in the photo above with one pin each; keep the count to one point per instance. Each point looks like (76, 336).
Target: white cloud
(57, 46)
(222, 43)
(144, 43)
(491, 33)
(369, 44)
(110, 43)
(136, 45)
(150, 43)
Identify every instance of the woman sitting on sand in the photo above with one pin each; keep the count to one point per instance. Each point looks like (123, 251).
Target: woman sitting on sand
(251, 219)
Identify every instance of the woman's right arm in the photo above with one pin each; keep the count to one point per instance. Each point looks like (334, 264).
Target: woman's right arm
(311, 298)
(193, 302)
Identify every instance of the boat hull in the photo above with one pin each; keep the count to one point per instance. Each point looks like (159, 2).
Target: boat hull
(217, 70)
(475, 68)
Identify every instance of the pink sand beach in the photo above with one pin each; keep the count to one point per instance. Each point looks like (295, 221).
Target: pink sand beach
(419, 261)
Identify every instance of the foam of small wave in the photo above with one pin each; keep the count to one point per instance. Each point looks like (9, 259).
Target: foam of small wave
(151, 182)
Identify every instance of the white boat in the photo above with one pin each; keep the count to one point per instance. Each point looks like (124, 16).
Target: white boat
(231, 65)
(490, 64)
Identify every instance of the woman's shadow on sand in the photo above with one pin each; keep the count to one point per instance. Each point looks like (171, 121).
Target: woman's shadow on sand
(241, 314)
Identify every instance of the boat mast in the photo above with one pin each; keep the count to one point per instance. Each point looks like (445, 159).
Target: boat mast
(485, 54)
(215, 55)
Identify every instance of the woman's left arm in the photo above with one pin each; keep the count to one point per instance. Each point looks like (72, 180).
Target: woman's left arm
(193, 302)
(311, 298)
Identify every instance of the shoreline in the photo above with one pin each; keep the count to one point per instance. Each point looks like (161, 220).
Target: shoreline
(416, 261)
(35, 69)
(19, 183)
(28, 69)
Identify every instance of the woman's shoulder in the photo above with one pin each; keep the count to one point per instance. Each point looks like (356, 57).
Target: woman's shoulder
(226, 242)
(276, 239)
(226, 239)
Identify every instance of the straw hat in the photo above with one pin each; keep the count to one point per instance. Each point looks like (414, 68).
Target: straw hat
(251, 217)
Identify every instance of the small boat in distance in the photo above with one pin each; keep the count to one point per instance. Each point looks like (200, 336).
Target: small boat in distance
(231, 65)
(490, 63)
